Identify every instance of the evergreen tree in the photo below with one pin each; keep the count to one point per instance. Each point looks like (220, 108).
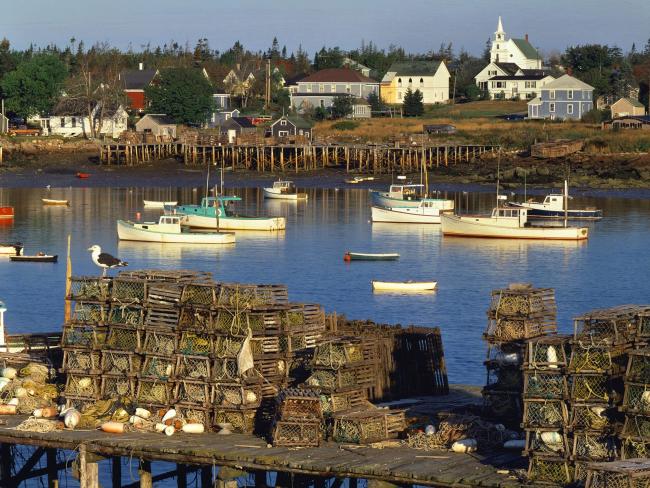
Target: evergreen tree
(487, 51)
(376, 104)
(413, 106)
(342, 106)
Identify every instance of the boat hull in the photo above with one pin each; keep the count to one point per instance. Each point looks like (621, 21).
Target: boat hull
(155, 204)
(404, 286)
(401, 216)
(453, 225)
(235, 223)
(49, 201)
(126, 231)
(35, 259)
(10, 250)
(271, 193)
(574, 214)
(358, 256)
(6, 213)
(381, 199)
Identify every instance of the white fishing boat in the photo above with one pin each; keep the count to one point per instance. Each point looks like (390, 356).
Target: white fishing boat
(15, 249)
(556, 206)
(52, 201)
(507, 223)
(359, 179)
(398, 195)
(216, 213)
(157, 204)
(427, 211)
(404, 286)
(284, 190)
(169, 230)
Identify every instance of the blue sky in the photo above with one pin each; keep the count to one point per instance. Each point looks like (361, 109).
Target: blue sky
(417, 25)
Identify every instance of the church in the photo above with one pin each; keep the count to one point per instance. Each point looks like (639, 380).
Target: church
(515, 70)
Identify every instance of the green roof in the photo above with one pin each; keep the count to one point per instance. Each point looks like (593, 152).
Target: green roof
(300, 123)
(415, 68)
(633, 102)
(526, 48)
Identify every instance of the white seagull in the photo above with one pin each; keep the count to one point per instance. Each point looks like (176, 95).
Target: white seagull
(105, 260)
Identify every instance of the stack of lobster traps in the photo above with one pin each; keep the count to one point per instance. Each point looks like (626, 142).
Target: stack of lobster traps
(635, 437)
(632, 473)
(516, 314)
(299, 418)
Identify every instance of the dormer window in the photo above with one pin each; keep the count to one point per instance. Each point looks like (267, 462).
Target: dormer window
(421, 81)
(410, 80)
(399, 81)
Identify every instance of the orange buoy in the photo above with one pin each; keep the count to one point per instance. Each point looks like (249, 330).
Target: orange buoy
(346, 257)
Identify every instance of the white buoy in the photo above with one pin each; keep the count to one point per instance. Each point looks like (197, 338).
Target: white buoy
(464, 446)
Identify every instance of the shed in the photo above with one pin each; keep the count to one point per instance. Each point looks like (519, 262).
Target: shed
(628, 122)
(290, 127)
(236, 126)
(157, 124)
(439, 129)
(627, 106)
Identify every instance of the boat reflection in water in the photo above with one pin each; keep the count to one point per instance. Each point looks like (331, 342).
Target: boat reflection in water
(170, 255)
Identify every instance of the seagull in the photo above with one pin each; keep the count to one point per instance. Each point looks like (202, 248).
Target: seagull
(104, 260)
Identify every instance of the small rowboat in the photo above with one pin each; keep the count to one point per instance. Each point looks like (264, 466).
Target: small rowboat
(83, 176)
(156, 204)
(404, 285)
(363, 256)
(359, 179)
(38, 258)
(51, 201)
(6, 213)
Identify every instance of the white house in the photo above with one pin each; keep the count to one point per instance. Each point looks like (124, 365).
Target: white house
(430, 77)
(70, 120)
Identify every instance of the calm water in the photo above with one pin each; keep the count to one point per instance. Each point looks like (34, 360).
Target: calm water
(611, 268)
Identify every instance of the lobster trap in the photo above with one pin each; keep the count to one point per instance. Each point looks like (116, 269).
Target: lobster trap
(158, 367)
(643, 322)
(228, 346)
(545, 385)
(89, 288)
(594, 446)
(193, 367)
(159, 341)
(120, 362)
(344, 378)
(590, 388)
(545, 414)
(233, 295)
(237, 322)
(274, 369)
(114, 386)
(547, 353)
(338, 353)
(636, 426)
(93, 313)
(196, 319)
(82, 386)
(190, 392)
(126, 315)
(81, 360)
(366, 426)
(506, 354)
(503, 406)
(636, 399)
(343, 400)
(506, 379)
(241, 419)
(199, 295)
(80, 404)
(122, 338)
(154, 392)
(638, 366)
(595, 417)
(164, 295)
(129, 290)
(299, 404)
(611, 326)
(83, 336)
(194, 344)
(632, 448)
(549, 442)
(162, 317)
(630, 473)
(194, 414)
(225, 370)
(296, 433)
(542, 469)
(597, 358)
(236, 395)
(507, 329)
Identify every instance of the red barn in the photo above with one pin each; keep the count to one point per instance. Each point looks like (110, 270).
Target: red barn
(135, 81)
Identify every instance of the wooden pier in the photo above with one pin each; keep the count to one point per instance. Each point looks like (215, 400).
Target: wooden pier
(374, 159)
(245, 460)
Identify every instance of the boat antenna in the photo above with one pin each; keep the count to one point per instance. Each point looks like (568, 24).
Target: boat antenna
(525, 174)
(498, 175)
(217, 206)
(222, 159)
(566, 203)
(207, 185)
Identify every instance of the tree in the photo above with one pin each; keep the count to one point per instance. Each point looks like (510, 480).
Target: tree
(34, 86)
(341, 106)
(328, 58)
(376, 103)
(413, 106)
(182, 93)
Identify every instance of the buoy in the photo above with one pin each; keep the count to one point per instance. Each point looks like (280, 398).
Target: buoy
(137, 216)
(346, 257)
(193, 428)
(13, 401)
(71, 418)
(171, 413)
(142, 413)
(251, 397)
(7, 409)
(514, 444)
(169, 430)
(20, 392)
(45, 413)
(551, 357)
(4, 382)
(113, 427)
(429, 430)
(160, 427)
(9, 373)
(464, 446)
(552, 439)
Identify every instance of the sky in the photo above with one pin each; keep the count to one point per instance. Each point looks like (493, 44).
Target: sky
(416, 25)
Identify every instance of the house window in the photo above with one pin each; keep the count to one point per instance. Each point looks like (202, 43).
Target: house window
(399, 95)
(74, 121)
(333, 88)
(283, 122)
(410, 80)
(283, 133)
(308, 88)
(399, 81)
(569, 109)
(531, 84)
(321, 88)
(421, 81)
(62, 122)
(585, 94)
(551, 107)
(551, 94)
(569, 94)
(348, 89)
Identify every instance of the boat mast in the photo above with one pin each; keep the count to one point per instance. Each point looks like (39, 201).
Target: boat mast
(207, 186)
(217, 206)
(498, 177)
(566, 202)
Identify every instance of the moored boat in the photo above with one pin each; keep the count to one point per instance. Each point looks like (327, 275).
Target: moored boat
(398, 195)
(284, 190)
(6, 213)
(364, 256)
(51, 201)
(359, 179)
(427, 211)
(404, 286)
(555, 206)
(507, 223)
(37, 258)
(157, 204)
(83, 176)
(15, 249)
(169, 230)
(216, 213)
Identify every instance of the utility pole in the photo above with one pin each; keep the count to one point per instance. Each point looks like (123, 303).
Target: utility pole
(267, 95)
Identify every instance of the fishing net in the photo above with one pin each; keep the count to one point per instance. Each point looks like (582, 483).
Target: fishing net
(556, 471)
(637, 398)
(226, 346)
(589, 417)
(82, 386)
(593, 446)
(192, 367)
(86, 336)
(123, 338)
(548, 442)
(81, 360)
(39, 425)
(544, 413)
(114, 362)
(225, 370)
(334, 355)
(128, 291)
(236, 395)
(89, 288)
(242, 421)
(195, 344)
(192, 392)
(590, 359)
(132, 316)
(199, 320)
(159, 342)
(158, 367)
(295, 434)
(89, 313)
(545, 385)
(78, 403)
(197, 294)
(154, 391)
(117, 386)
(637, 426)
(589, 388)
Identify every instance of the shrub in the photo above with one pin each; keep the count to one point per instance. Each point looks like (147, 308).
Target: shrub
(345, 125)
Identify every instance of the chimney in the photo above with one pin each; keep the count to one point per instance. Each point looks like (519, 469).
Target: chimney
(141, 66)
(569, 71)
(526, 37)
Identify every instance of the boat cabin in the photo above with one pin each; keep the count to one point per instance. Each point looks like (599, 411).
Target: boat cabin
(284, 186)
(515, 217)
(554, 202)
(405, 192)
(166, 223)
(437, 203)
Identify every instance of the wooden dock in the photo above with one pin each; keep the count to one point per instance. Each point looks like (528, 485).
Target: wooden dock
(245, 460)
(367, 158)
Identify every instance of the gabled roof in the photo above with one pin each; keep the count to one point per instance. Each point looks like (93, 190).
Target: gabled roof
(631, 101)
(337, 75)
(136, 79)
(518, 78)
(567, 82)
(533, 72)
(415, 68)
(526, 48)
(294, 79)
(243, 122)
(161, 119)
(299, 122)
(645, 119)
(509, 68)
(535, 101)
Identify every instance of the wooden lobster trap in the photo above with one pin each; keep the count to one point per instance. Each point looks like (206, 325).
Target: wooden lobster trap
(594, 446)
(550, 470)
(153, 392)
(591, 416)
(236, 322)
(229, 346)
(123, 338)
(643, 324)
(80, 404)
(242, 420)
(193, 367)
(506, 354)
(196, 319)
(194, 414)
(81, 360)
(516, 329)
(551, 442)
(547, 353)
(368, 425)
(337, 353)
(82, 385)
(202, 295)
(545, 414)
(611, 326)
(505, 407)
(157, 367)
(92, 313)
(129, 291)
(120, 362)
(638, 366)
(590, 388)
(522, 300)
(343, 400)
(296, 433)
(83, 336)
(504, 378)
(238, 395)
(191, 392)
(344, 378)
(162, 317)
(194, 344)
(580, 470)
(159, 341)
(597, 358)
(637, 427)
(238, 296)
(629, 473)
(299, 404)
(225, 369)
(164, 295)
(632, 448)
(114, 386)
(90, 288)
(273, 368)
(299, 317)
(545, 385)
(126, 315)
(636, 399)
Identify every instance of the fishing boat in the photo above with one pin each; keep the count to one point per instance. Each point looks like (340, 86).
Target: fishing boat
(364, 256)
(6, 213)
(427, 211)
(157, 204)
(284, 190)
(399, 195)
(169, 230)
(217, 213)
(359, 179)
(51, 201)
(83, 176)
(15, 249)
(507, 223)
(555, 206)
(404, 286)
(37, 258)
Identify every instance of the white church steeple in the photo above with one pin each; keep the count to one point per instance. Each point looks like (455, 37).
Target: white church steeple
(499, 52)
